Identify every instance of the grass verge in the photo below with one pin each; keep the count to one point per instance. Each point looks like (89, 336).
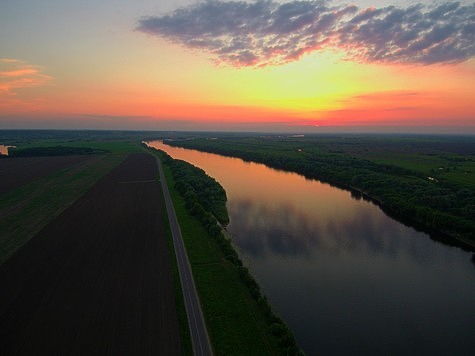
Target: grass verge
(180, 303)
(235, 323)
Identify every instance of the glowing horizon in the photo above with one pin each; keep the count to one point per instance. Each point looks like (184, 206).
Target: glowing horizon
(194, 72)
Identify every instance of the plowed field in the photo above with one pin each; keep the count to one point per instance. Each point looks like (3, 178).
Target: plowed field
(17, 171)
(97, 279)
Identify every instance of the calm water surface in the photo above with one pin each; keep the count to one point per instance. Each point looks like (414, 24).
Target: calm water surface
(345, 277)
(4, 149)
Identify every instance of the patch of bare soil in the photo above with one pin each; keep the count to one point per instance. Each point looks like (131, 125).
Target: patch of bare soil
(97, 279)
(17, 171)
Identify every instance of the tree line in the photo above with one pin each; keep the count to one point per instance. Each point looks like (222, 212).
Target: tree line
(53, 151)
(435, 204)
(206, 200)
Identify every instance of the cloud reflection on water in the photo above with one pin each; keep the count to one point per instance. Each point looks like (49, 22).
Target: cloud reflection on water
(262, 230)
(344, 276)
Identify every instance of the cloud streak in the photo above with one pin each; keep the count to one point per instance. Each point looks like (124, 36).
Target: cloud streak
(267, 32)
(16, 74)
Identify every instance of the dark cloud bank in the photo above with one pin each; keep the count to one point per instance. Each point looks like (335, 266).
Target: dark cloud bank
(267, 32)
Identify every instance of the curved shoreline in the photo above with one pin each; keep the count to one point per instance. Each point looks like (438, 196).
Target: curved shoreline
(448, 238)
(278, 333)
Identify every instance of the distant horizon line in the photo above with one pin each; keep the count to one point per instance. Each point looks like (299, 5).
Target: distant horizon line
(358, 131)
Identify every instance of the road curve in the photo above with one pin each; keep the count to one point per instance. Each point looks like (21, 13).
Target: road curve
(198, 331)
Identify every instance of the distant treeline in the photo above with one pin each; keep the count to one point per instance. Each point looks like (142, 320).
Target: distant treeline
(439, 205)
(22, 137)
(53, 151)
(206, 200)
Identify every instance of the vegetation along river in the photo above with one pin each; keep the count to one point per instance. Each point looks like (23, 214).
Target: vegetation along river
(345, 277)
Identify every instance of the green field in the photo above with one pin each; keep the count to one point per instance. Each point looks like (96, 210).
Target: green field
(180, 303)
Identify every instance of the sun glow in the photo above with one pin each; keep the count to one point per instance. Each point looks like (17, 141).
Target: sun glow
(128, 75)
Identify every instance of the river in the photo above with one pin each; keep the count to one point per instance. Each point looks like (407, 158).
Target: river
(4, 149)
(344, 276)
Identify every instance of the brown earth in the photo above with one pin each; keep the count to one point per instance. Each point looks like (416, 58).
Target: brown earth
(17, 171)
(97, 280)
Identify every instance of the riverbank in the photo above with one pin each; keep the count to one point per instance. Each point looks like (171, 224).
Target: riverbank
(441, 206)
(239, 319)
(344, 275)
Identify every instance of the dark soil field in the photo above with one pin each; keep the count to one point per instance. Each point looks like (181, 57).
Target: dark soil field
(97, 280)
(18, 171)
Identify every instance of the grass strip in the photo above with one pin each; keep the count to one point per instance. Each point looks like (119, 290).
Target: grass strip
(235, 322)
(180, 303)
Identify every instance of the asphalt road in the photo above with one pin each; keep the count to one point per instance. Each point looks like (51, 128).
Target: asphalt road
(198, 331)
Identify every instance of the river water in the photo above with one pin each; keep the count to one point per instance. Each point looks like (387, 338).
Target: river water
(4, 149)
(345, 277)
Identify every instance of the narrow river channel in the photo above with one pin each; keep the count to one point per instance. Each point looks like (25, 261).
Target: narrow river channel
(346, 278)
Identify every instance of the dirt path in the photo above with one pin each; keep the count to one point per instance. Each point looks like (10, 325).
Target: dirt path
(96, 280)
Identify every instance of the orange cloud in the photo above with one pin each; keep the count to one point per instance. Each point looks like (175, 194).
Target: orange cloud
(16, 74)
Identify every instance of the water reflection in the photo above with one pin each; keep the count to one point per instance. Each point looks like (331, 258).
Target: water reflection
(345, 277)
(4, 149)
(260, 230)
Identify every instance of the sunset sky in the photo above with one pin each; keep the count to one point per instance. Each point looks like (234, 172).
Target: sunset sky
(307, 66)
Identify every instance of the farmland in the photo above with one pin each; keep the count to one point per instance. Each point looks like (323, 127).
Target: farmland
(35, 190)
(38, 189)
(65, 221)
(97, 278)
(16, 172)
(57, 213)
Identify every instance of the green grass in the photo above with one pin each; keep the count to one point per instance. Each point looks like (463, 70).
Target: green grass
(234, 321)
(458, 170)
(180, 304)
(115, 146)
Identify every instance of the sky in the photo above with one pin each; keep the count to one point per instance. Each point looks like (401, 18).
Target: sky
(267, 65)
